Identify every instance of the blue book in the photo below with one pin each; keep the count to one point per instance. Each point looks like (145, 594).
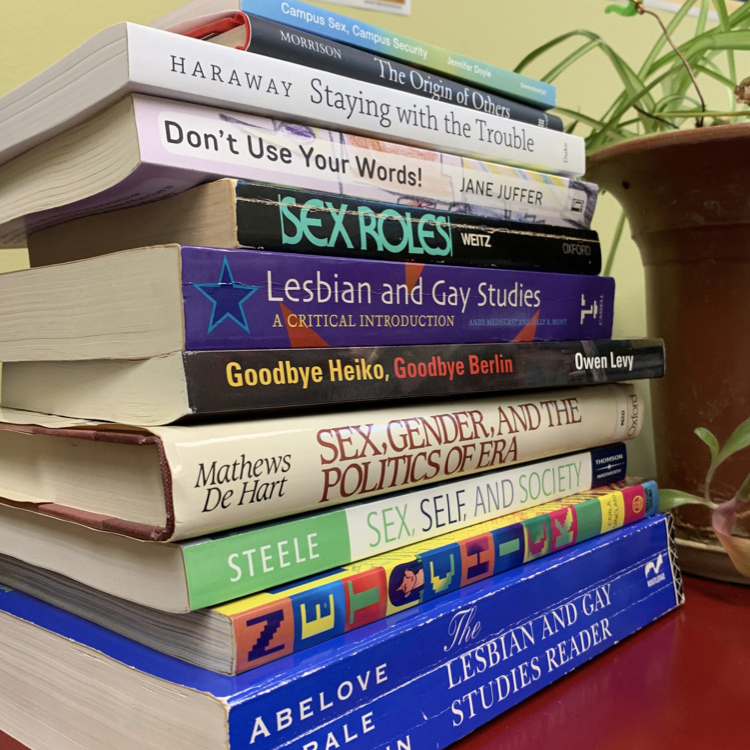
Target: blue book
(455, 662)
(383, 42)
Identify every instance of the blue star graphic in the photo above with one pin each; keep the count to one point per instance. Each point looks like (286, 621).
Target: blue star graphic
(227, 298)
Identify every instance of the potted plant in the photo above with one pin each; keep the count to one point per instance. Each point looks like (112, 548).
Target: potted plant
(681, 172)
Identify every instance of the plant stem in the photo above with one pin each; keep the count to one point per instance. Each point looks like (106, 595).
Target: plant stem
(705, 114)
(654, 117)
(642, 11)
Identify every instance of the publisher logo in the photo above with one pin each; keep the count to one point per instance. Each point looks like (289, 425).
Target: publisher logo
(653, 571)
(576, 248)
(588, 309)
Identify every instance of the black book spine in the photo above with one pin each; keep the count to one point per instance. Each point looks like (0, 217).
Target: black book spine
(285, 43)
(278, 218)
(275, 379)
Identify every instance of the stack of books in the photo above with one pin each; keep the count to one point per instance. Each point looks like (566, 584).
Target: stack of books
(305, 420)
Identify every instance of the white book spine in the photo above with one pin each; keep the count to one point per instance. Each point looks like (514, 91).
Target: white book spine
(180, 67)
(238, 473)
(181, 145)
(386, 525)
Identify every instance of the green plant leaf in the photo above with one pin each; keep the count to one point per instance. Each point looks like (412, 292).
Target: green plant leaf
(580, 117)
(702, 17)
(632, 84)
(720, 41)
(623, 104)
(539, 51)
(715, 114)
(671, 499)
(738, 440)
(607, 270)
(623, 10)
(735, 16)
(681, 14)
(712, 71)
(553, 73)
(743, 493)
(710, 440)
(725, 25)
(737, 20)
(663, 105)
(659, 96)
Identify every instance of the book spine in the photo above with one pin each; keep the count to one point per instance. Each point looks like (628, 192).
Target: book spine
(373, 38)
(285, 43)
(176, 66)
(277, 218)
(219, 569)
(257, 300)
(362, 593)
(182, 145)
(440, 672)
(238, 473)
(279, 379)
(261, 150)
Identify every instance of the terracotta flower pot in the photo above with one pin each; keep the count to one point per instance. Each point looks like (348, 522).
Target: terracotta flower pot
(687, 198)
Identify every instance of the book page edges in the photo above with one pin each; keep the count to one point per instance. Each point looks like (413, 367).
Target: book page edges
(42, 424)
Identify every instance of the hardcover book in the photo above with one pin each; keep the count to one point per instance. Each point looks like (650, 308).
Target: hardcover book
(182, 385)
(341, 28)
(509, 636)
(233, 214)
(143, 148)
(195, 298)
(178, 482)
(272, 39)
(128, 58)
(245, 633)
(184, 576)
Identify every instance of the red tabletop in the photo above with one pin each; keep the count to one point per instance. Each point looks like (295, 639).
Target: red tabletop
(682, 682)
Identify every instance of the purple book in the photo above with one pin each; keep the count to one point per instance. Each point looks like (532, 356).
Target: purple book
(252, 299)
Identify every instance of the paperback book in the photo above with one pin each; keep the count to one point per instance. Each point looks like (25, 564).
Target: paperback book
(148, 60)
(248, 632)
(198, 384)
(341, 28)
(560, 611)
(177, 482)
(234, 214)
(143, 148)
(263, 37)
(214, 569)
(195, 298)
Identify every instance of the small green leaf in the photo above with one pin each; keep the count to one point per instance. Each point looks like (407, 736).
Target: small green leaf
(702, 18)
(710, 440)
(623, 10)
(743, 493)
(725, 25)
(671, 499)
(738, 440)
(607, 271)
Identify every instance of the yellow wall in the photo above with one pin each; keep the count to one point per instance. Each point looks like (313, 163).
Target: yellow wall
(498, 31)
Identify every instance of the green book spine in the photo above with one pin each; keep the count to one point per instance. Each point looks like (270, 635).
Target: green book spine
(235, 564)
